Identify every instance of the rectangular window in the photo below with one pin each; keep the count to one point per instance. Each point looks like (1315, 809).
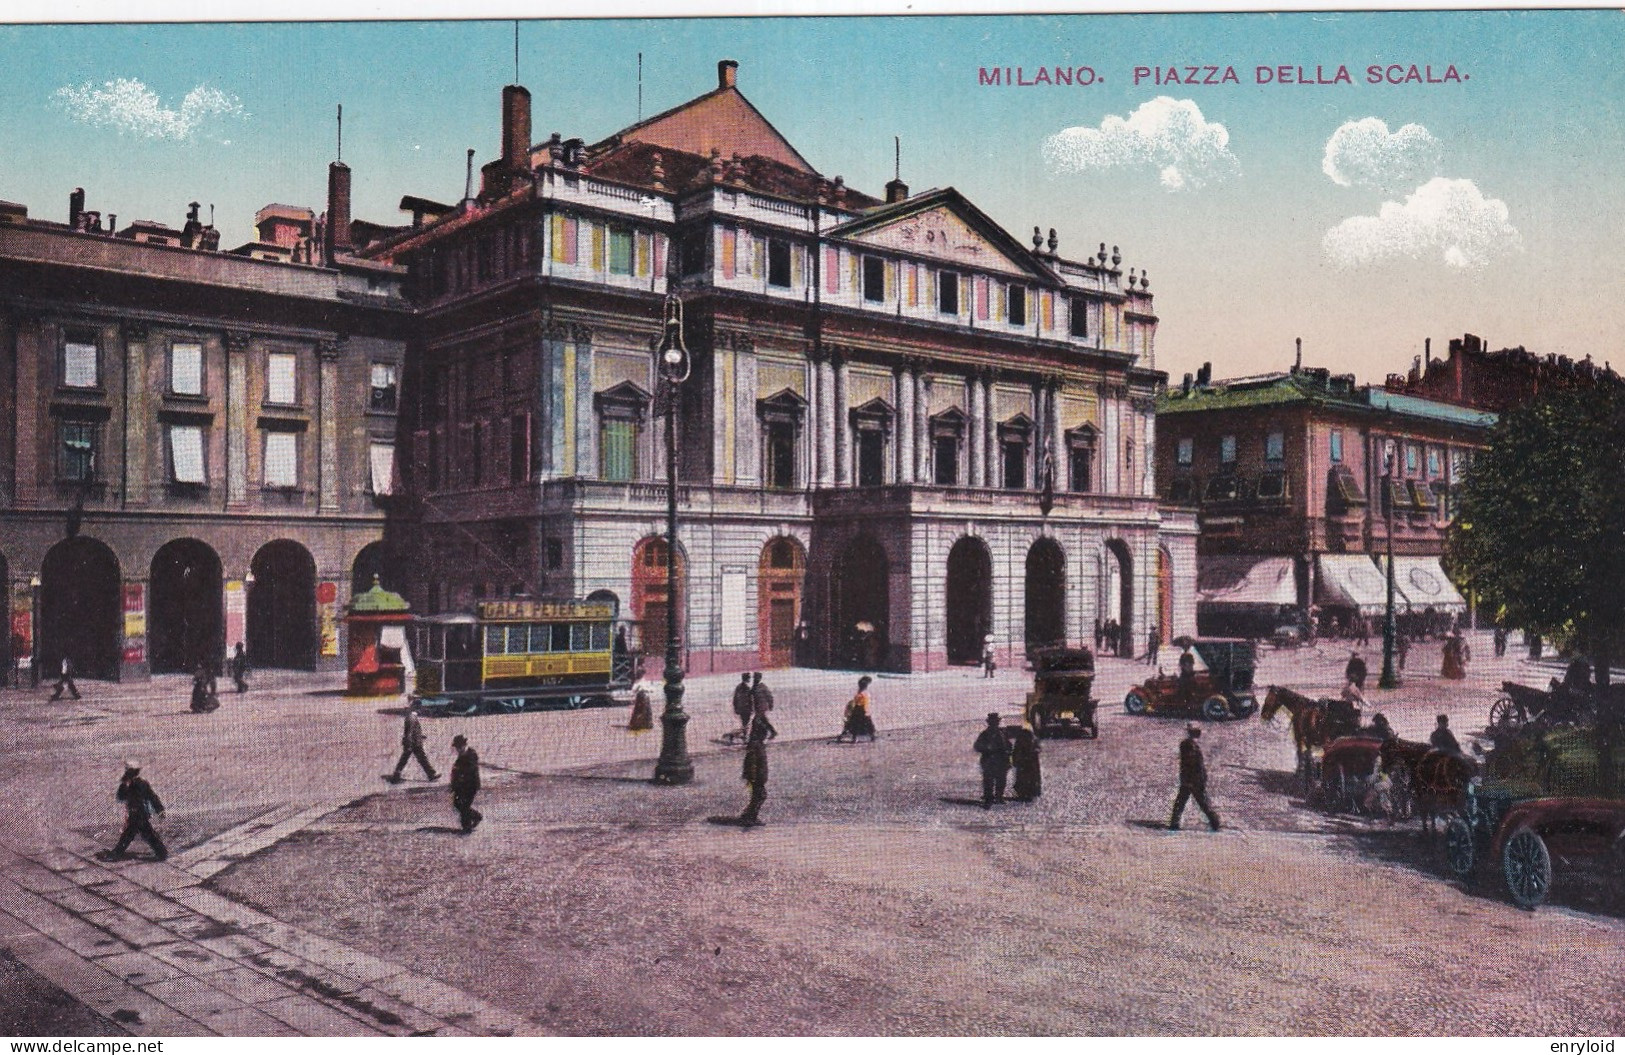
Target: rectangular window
(281, 378)
(1410, 458)
(871, 457)
(1336, 440)
(79, 365)
(561, 637)
(495, 640)
(186, 454)
(1015, 465)
(186, 369)
(778, 263)
(620, 252)
(555, 554)
(566, 236)
(281, 459)
(874, 279)
(947, 293)
(538, 639)
(1274, 447)
(1080, 317)
(1018, 306)
(1433, 462)
(618, 450)
(1080, 461)
(1187, 451)
(1227, 450)
(580, 637)
(384, 385)
(381, 463)
(78, 451)
(781, 456)
(945, 461)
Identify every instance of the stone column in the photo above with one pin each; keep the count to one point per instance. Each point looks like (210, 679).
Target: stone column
(1110, 454)
(990, 465)
(1057, 437)
(905, 424)
(922, 427)
(973, 429)
(327, 471)
(586, 421)
(843, 445)
(827, 420)
(1148, 419)
(238, 436)
(137, 400)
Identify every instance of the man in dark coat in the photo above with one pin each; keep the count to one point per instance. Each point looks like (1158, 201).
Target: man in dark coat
(994, 747)
(1443, 739)
(140, 803)
(465, 783)
(1192, 779)
(744, 703)
(1355, 671)
(761, 697)
(239, 668)
(412, 747)
(64, 683)
(1100, 637)
(754, 772)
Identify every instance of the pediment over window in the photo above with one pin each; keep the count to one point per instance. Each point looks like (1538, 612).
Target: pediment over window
(950, 422)
(785, 405)
(875, 415)
(1017, 428)
(1082, 436)
(625, 401)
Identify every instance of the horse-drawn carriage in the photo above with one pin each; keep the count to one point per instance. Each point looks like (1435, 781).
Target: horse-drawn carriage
(1523, 705)
(1060, 703)
(1315, 724)
(1224, 689)
(1543, 803)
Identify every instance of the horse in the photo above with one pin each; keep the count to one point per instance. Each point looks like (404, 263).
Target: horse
(1437, 780)
(1313, 724)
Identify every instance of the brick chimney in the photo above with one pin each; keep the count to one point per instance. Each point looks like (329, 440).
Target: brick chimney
(896, 191)
(338, 209)
(76, 207)
(515, 127)
(727, 74)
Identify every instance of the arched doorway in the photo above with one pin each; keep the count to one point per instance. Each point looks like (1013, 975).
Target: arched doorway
(1118, 596)
(653, 599)
(779, 575)
(860, 604)
(374, 558)
(185, 624)
(970, 599)
(282, 607)
(1165, 595)
(1046, 594)
(80, 608)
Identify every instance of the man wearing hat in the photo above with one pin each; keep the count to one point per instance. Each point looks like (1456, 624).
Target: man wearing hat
(465, 783)
(994, 747)
(1192, 778)
(755, 769)
(140, 803)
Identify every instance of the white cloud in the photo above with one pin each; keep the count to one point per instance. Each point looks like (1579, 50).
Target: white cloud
(1450, 217)
(1366, 154)
(129, 106)
(1171, 134)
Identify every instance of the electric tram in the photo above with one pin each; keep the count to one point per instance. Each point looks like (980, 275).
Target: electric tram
(523, 655)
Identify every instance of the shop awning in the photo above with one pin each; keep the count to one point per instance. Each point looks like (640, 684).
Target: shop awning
(1423, 584)
(1351, 580)
(1246, 579)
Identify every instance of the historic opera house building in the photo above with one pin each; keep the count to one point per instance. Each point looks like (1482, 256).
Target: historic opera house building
(904, 430)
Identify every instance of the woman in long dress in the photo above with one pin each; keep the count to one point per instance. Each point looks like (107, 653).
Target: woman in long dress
(1455, 659)
(1024, 759)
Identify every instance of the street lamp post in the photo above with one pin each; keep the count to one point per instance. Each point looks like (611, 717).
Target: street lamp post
(1388, 680)
(674, 766)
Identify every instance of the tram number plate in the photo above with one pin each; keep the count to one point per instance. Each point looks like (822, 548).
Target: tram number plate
(555, 679)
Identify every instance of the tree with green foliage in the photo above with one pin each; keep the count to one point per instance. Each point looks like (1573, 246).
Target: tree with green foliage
(1540, 530)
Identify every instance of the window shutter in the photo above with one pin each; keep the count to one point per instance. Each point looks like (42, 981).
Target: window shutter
(1004, 302)
(890, 284)
(913, 272)
(186, 453)
(186, 369)
(758, 266)
(1048, 300)
(597, 246)
(282, 384)
(854, 264)
(730, 244)
(832, 269)
(643, 251)
(964, 297)
(981, 296)
(798, 267)
(281, 459)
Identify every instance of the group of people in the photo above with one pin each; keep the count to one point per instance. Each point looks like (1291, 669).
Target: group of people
(1003, 750)
(1114, 637)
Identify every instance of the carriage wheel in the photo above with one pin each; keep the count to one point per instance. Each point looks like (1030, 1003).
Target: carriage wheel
(1460, 851)
(1504, 714)
(1216, 709)
(1134, 703)
(1527, 867)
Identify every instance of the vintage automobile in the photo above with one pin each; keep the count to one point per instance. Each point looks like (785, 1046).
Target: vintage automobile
(1545, 806)
(1060, 703)
(1223, 690)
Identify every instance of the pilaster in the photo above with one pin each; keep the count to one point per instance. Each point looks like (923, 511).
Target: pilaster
(237, 433)
(137, 413)
(327, 470)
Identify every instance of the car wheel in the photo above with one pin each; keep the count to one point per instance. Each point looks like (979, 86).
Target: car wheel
(1527, 867)
(1216, 709)
(1134, 703)
(1460, 851)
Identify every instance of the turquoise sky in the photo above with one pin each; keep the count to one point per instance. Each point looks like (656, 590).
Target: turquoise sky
(1240, 265)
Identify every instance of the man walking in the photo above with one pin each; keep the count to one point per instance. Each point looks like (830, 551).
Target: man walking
(239, 668)
(65, 681)
(1355, 671)
(140, 803)
(744, 704)
(1153, 645)
(1192, 779)
(412, 747)
(759, 732)
(465, 784)
(761, 698)
(994, 747)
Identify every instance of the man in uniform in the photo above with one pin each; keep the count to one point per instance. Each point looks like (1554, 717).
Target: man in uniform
(744, 704)
(994, 747)
(465, 783)
(1192, 778)
(140, 803)
(412, 747)
(757, 734)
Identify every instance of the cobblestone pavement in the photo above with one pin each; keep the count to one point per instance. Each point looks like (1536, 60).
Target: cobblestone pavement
(592, 903)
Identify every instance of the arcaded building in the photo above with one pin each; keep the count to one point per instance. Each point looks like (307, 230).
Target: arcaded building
(196, 444)
(905, 428)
